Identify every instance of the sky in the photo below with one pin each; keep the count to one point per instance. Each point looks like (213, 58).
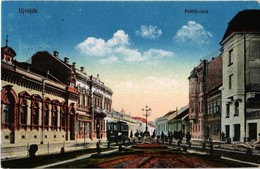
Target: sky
(144, 51)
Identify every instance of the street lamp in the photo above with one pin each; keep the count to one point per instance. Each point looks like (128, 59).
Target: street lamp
(146, 112)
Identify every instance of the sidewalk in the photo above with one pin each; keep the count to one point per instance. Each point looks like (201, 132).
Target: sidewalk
(45, 149)
(74, 159)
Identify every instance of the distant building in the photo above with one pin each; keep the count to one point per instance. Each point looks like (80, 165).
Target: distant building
(241, 81)
(161, 123)
(197, 100)
(180, 123)
(214, 82)
(205, 99)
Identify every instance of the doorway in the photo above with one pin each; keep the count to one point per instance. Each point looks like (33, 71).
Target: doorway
(252, 128)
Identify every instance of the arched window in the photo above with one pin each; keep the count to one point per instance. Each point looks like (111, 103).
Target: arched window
(62, 116)
(8, 104)
(35, 114)
(46, 115)
(236, 108)
(6, 118)
(23, 112)
(55, 117)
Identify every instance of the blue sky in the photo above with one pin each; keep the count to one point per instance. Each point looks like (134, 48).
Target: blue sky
(142, 50)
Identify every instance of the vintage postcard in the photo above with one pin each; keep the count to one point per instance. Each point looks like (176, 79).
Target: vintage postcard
(130, 84)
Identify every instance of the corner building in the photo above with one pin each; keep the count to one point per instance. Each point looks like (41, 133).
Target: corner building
(241, 77)
(36, 108)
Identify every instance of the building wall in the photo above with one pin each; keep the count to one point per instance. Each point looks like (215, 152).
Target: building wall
(197, 84)
(26, 133)
(161, 126)
(234, 97)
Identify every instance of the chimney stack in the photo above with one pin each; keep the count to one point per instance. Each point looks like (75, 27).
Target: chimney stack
(56, 54)
(82, 69)
(66, 60)
(73, 64)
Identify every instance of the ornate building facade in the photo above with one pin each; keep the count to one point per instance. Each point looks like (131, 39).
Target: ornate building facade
(94, 99)
(50, 101)
(35, 107)
(197, 100)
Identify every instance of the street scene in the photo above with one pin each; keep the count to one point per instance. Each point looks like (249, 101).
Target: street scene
(127, 84)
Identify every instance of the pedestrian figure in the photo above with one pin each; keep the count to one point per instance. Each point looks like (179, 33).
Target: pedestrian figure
(162, 137)
(222, 136)
(188, 137)
(98, 147)
(131, 134)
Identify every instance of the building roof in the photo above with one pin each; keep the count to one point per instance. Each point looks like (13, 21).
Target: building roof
(151, 125)
(143, 120)
(9, 51)
(244, 21)
(193, 74)
(182, 113)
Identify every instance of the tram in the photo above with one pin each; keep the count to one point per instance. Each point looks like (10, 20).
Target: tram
(117, 131)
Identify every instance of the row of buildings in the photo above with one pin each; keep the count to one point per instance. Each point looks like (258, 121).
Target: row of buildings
(50, 100)
(224, 93)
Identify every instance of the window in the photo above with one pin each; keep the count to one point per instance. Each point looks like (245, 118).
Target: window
(46, 115)
(62, 117)
(227, 110)
(201, 86)
(254, 52)
(7, 107)
(192, 88)
(35, 114)
(55, 117)
(230, 57)
(6, 119)
(218, 107)
(236, 108)
(84, 100)
(215, 107)
(23, 113)
(230, 82)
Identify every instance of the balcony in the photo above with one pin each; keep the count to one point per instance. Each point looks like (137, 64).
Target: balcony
(253, 88)
(253, 115)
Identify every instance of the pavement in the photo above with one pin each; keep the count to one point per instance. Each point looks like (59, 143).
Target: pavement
(74, 159)
(8, 153)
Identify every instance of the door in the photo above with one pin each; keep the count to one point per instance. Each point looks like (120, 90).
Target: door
(236, 132)
(227, 131)
(252, 127)
(72, 127)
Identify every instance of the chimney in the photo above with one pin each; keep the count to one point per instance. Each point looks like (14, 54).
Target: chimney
(56, 54)
(66, 60)
(73, 64)
(82, 69)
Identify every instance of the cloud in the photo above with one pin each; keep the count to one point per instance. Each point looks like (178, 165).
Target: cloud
(109, 60)
(151, 85)
(149, 32)
(193, 32)
(118, 49)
